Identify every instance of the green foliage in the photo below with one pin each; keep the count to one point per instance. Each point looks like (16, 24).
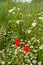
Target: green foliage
(18, 24)
(3, 0)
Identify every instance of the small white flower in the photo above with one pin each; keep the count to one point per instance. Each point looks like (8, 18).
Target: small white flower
(28, 60)
(15, 52)
(35, 57)
(14, 7)
(9, 63)
(29, 15)
(18, 8)
(39, 63)
(41, 47)
(34, 61)
(20, 50)
(26, 64)
(20, 13)
(23, 64)
(38, 41)
(11, 10)
(31, 46)
(36, 47)
(28, 41)
(17, 21)
(2, 62)
(0, 51)
(41, 18)
(31, 58)
(25, 40)
(31, 64)
(9, 21)
(34, 24)
(35, 50)
(31, 54)
(32, 38)
(28, 31)
(34, 20)
(39, 13)
(21, 40)
(13, 45)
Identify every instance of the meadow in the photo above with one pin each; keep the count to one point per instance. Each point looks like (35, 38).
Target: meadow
(23, 22)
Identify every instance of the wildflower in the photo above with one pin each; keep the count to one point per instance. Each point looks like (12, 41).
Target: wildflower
(26, 48)
(31, 46)
(17, 42)
(18, 8)
(41, 18)
(2, 62)
(34, 61)
(11, 10)
(29, 14)
(12, 45)
(14, 7)
(17, 21)
(35, 50)
(34, 24)
(41, 47)
(15, 51)
(28, 31)
(39, 63)
(31, 64)
(9, 21)
(39, 13)
(20, 13)
(9, 63)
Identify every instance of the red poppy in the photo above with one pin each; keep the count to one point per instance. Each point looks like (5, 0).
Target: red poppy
(17, 42)
(26, 49)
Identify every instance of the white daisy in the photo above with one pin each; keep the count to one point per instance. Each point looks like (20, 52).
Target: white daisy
(18, 8)
(13, 45)
(20, 13)
(41, 18)
(34, 61)
(32, 38)
(28, 41)
(9, 63)
(15, 52)
(31, 46)
(41, 47)
(11, 10)
(29, 15)
(34, 24)
(18, 21)
(26, 64)
(35, 50)
(9, 21)
(0, 51)
(2, 62)
(39, 63)
(31, 64)
(39, 13)
(14, 7)
(28, 31)
(29, 60)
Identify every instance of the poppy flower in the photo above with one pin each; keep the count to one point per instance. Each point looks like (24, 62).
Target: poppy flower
(17, 42)
(26, 49)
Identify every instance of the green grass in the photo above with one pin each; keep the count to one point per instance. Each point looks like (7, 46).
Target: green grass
(9, 31)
